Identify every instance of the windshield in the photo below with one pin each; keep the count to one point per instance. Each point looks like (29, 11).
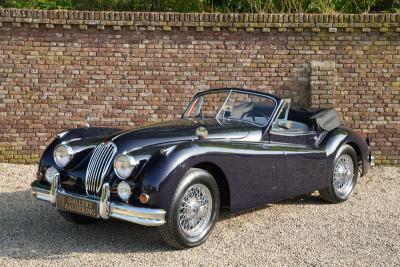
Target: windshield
(232, 105)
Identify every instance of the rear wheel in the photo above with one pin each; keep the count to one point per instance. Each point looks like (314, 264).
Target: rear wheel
(344, 176)
(193, 212)
(76, 218)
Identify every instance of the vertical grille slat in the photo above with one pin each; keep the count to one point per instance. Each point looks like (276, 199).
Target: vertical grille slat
(98, 167)
(92, 166)
(108, 156)
(90, 170)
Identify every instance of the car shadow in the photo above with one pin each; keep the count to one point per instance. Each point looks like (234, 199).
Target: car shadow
(32, 229)
(309, 199)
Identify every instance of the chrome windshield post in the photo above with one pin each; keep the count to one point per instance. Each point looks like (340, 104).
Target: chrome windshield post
(104, 208)
(223, 105)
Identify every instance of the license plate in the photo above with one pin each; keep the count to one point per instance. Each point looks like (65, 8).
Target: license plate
(78, 205)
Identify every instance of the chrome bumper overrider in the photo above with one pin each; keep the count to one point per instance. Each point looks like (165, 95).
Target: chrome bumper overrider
(107, 209)
(371, 159)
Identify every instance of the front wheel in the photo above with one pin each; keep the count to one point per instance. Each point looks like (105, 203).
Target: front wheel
(344, 176)
(193, 212)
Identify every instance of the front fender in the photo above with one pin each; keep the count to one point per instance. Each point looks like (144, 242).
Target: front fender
(86, 132)
(162, 177)
(72, 135)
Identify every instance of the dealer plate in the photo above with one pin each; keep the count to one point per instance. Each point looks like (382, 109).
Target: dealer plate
(78, 205)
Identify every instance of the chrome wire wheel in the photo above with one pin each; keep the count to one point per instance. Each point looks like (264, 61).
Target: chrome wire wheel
(343, 175)
(195, 210)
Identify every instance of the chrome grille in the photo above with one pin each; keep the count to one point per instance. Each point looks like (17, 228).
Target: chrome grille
(99, 165)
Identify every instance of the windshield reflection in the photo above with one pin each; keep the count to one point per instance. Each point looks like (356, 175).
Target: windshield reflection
(228, 106)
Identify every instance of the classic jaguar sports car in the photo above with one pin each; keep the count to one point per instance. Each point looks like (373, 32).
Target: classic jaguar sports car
(232, 148)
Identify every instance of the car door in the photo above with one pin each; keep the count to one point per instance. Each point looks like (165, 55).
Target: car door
(255, 167)
(256, 173)
(305, 167)
(305, 163)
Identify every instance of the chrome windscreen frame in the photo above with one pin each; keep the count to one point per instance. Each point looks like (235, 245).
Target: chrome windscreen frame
(229, 91)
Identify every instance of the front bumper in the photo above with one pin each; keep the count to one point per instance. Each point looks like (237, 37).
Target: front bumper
(107, 209)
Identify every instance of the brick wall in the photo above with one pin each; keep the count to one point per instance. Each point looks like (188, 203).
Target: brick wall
(128, 69)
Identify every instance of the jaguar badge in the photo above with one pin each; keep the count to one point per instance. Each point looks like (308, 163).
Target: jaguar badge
(202, 133)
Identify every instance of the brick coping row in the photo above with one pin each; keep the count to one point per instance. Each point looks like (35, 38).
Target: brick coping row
(101, 19)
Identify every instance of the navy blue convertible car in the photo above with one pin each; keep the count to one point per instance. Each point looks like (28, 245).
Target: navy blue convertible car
(232, 148)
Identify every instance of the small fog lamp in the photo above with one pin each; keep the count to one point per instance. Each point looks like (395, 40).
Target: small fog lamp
(124, 190)
(50, 174)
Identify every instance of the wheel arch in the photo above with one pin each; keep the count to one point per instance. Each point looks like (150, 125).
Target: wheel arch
(361, 162)
(345, 136)
(220, 178)
(359, 155)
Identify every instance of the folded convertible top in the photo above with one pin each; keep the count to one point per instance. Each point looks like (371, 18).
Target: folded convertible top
(325, 119)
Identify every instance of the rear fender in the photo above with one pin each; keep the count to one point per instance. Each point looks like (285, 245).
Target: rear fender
(340, 136)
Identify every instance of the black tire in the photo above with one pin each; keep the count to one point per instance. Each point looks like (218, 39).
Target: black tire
(331, 194)
(171, 231)
(77, 218)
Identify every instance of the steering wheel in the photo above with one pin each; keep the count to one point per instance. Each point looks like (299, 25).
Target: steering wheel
(252, 114)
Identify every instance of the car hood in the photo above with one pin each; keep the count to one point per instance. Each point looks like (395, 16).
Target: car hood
(183, 130)
(146, 137)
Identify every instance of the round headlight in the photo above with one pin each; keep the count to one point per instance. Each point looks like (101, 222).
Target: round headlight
(124, 165)
(50, 174)
(124, 190)
(63, 155)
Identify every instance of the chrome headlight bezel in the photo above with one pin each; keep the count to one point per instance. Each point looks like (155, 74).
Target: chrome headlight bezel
(129, 160)
(63, 149)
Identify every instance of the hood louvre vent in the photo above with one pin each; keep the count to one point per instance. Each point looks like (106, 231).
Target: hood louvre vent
(98, 167)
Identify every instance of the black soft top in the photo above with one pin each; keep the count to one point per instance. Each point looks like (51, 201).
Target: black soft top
(325, 119)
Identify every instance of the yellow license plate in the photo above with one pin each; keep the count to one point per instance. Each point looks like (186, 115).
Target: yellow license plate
(77, 205)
